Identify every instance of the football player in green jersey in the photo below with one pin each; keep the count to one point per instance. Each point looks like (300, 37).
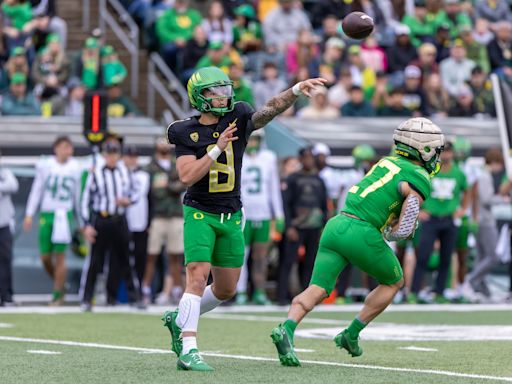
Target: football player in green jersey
(383, 206)
(209, 150)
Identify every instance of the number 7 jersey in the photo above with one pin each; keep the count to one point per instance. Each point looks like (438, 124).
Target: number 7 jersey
(219, 190)
(377, 199)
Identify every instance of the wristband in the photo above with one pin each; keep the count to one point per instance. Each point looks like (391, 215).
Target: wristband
(214, 153)
(296, 89)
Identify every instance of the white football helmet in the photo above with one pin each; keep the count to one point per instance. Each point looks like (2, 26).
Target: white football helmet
(420, 139)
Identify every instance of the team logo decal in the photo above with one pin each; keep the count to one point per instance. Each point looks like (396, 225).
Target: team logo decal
(194, 136)
(216, 135)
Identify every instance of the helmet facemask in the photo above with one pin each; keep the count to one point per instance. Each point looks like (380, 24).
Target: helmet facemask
(220, 91)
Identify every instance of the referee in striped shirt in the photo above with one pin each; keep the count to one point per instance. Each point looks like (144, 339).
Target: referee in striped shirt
(107, 193)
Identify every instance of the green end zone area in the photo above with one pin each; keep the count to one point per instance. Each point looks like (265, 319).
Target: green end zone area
(462, 347)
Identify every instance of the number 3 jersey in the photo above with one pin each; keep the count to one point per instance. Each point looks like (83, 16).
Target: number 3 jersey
(219, 190)
(261, 191)
(56, 186)
(377, 199)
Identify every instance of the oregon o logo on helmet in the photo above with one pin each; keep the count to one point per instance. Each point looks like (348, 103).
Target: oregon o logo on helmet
(198, 215)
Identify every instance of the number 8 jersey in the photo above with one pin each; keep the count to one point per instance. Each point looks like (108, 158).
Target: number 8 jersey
(219, 190)
(56, 186)
(377, 198)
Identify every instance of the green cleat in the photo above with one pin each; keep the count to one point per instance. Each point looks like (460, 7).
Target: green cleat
(412, 298)
(193, 361)
(241, 299)
(284, 344)
(344, 341)
(169, 319)
(440, 299)
(260, 298)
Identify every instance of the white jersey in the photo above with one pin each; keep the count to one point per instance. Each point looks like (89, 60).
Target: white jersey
(332, 181)
(261, 192)
(348, 178)
(56, 186)
(472, 173)
(137, 214)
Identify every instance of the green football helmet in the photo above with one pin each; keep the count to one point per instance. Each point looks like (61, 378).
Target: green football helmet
(461, 148)
(420, 139)
(363, 152)
(216, 81)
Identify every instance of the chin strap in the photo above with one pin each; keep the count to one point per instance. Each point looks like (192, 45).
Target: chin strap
(407, 222)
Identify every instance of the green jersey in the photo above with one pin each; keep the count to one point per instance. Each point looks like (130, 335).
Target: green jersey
(447, 189)
(377, 199)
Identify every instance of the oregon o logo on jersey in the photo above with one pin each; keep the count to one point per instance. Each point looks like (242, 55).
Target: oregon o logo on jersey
(216, 135)
(198, 215)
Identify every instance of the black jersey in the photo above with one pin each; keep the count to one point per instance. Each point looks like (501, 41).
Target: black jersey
(219, 190)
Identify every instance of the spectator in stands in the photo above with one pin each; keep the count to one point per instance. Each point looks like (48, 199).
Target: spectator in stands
(174, 28)
(302, 100)
(400, 54)
(362, 76)
(373, 56)
(505, 73)
(216, 57)
(500, 48)
(112, 68)
(421, 25)
(282, 25)
(119, 105)
(442, 41)
(414, 98)
(327, 8)
(217, 26)
(426, 60)
(437, 99)
(463, 105)
(357, 106)
(18, 101)
(18, 23)
(456, 69)
(475, 50)
(338, 94)
(493, 11)
(380, 95)
(8, 186)
(73, 104)
(89, 64)
(318, 107)
(482, 91)
(329, 29)
(241, 87)
(60, 62)
(269, 86)
(247, 30)
(43, 68)
(301, 52)
(17, 63)
(194, 50)
(454, 17)
(481, 33)
(50, 95)
(395, 105)
(270, 53)
(305, 206)
(328, 66)
(49, 22)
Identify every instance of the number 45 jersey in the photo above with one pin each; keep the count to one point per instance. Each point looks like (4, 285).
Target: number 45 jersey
(219, 190)
(377, 199)
(261, 192)
(56, 186)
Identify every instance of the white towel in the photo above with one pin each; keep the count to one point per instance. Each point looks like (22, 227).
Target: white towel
(61, 233)
(503, 246)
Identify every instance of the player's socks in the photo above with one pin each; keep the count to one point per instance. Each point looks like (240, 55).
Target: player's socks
(290, 326)
(189, 343)
(355, 327)
(209, 301)
(57, 295)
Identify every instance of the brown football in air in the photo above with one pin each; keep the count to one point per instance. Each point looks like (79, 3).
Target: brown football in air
(357, 25)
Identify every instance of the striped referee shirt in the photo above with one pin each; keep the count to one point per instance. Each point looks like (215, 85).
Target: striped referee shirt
(103, 188)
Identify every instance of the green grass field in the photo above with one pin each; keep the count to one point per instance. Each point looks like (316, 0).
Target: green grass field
(441, 346)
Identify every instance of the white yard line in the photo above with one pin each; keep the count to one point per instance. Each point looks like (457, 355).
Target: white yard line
(152, 310)
(6, 325)
(419, 349)
(43, 352)
(256, 358)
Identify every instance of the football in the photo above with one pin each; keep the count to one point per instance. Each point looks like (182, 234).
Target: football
(357, 25)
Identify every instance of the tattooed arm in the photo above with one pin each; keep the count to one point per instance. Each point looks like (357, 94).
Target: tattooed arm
(280, 103)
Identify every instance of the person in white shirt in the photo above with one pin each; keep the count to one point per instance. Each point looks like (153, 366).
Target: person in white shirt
(55, 194)
(137, 214)
(262, 201)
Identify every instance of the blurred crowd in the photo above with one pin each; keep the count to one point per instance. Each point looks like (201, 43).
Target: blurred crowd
(39, 77)
(425, 57)
(126, 220)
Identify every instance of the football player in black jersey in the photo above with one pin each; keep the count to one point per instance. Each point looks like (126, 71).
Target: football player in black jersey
(209, 150)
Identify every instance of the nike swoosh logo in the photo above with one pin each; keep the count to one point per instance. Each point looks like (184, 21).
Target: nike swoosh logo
(185, 364)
